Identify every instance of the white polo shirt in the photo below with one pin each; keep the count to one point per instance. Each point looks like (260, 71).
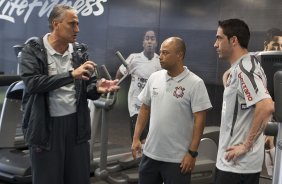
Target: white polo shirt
(246, 85)
(140, 69)
(62, 100)
(173, 100)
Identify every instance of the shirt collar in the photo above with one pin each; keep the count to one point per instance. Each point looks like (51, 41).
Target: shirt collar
(238, 60)
(179, 77)
(143, 55)
(52, 51)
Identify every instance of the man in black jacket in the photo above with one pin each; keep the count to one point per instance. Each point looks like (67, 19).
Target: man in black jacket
(58, 81)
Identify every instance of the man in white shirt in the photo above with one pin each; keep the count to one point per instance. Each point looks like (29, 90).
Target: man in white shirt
(140, 66)
(272, 42)
(175, 100)
(247, 107)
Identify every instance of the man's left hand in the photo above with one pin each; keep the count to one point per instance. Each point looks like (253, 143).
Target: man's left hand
(234, 152)
(187, 164)
(105, 86)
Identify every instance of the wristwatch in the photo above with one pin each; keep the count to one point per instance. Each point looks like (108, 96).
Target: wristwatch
(194, 154)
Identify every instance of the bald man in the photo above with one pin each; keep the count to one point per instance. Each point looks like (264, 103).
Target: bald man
(175, 100)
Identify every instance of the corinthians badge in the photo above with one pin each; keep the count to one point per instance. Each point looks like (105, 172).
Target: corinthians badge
(178, 92)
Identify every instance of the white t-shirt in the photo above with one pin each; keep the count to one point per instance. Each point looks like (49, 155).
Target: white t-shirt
(140, 69)
(246, 85)
(173, 102)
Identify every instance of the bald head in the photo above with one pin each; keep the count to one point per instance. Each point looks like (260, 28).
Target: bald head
(178, 44)
(172, 54)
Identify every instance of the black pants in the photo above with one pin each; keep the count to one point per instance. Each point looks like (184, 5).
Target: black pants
(157, 172)
(67, 162)
(222, 177)
(133, 120)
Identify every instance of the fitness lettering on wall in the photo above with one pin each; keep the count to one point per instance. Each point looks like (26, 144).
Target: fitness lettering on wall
(9, 9)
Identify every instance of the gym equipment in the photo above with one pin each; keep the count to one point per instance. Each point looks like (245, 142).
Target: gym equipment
(204, 170)
(277, 173)
(121, 58)
(272, 64)
(6, 80)
(10, 132)
(104, 104)
(14, 157)
(104, 172)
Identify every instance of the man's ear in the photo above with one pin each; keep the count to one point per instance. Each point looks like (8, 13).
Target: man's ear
(180, 55)
(234, 40)
(55, 24)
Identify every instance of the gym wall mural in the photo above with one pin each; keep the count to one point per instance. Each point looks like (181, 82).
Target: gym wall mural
(107, 26)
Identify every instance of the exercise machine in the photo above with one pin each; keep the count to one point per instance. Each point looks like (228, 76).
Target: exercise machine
(124, 160)
(277, 173)
(272, 64)
(14, 156)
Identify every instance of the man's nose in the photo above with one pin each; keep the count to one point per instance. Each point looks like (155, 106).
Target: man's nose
(76, 29)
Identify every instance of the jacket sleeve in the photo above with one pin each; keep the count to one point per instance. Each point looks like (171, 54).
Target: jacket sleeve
(92, 89)
(34, 72)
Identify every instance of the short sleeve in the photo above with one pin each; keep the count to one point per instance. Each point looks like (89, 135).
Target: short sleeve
(252, 84)
(199, 97)
(145, 95)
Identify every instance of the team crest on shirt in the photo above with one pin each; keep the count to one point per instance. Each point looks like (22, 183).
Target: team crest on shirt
(179, 92)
